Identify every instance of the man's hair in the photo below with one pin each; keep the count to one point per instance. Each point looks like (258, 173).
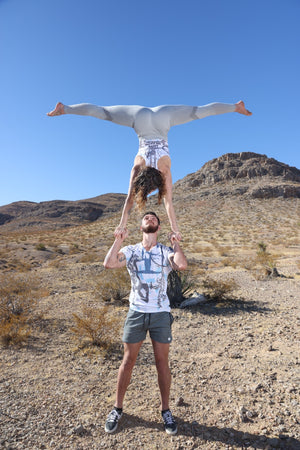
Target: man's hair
(148, 180)
(152, 214)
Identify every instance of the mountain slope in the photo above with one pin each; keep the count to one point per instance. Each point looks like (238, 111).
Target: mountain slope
(59, 213)
(247, 174)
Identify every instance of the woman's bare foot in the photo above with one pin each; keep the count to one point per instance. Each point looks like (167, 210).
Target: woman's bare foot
(59, 109)
(240, 108)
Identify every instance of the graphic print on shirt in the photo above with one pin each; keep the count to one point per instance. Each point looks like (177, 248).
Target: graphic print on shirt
(152, 150)
(147, 275)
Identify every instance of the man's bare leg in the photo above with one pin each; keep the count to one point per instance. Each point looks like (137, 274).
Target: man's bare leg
(130, 354)
(161, 353)
(240, 108)
(57, 111)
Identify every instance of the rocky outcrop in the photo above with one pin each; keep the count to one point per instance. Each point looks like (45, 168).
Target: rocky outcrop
(59, 213)
(247, 173)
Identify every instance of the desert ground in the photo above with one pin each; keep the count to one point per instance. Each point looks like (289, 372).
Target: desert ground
(234, 359)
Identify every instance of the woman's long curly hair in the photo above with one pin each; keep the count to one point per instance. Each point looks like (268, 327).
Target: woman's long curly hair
(148, 180)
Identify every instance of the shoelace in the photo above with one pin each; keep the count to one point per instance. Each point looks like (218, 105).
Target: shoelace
(168, 418)
(113, 415)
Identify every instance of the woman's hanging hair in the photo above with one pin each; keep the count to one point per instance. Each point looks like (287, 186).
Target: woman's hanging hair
(148, 180)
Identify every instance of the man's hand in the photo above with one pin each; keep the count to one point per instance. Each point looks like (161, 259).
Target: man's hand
(177, 259)
(121, 232)
(174, 237)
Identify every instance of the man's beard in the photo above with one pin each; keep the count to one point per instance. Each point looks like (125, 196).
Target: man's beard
(150, 228)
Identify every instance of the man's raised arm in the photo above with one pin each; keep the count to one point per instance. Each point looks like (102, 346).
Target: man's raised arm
(114, 258)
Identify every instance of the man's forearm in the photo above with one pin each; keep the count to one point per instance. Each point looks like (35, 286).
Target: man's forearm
(179, 258)
(113, 259)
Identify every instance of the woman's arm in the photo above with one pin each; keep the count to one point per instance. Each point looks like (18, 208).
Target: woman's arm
(168, 201)
(121, 228)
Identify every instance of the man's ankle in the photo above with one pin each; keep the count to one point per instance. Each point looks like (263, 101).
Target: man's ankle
(119, 410)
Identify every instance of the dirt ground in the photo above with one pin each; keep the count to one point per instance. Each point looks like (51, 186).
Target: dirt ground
(234, 364)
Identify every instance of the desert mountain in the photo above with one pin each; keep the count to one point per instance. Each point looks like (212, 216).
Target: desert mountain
(59, 213)
(246, 174)
(249, 174)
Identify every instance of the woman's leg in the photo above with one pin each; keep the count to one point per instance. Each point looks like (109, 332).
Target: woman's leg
(179, 114)
(57, 111)
(120, 114)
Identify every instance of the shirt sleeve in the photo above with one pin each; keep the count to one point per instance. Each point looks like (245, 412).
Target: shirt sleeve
(167, 251)
(127, 251)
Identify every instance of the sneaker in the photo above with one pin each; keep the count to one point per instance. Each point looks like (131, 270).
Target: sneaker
(170, 424)
(112, 420)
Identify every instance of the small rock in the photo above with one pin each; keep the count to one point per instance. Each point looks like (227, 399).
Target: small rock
(80, 430)
(179, 402)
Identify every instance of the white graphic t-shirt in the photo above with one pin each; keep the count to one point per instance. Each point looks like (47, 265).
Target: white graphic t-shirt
(149, 272)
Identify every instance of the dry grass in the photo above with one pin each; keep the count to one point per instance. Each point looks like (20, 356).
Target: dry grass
(219, 290)
(97, 327)
(113, 286)
(19, 297)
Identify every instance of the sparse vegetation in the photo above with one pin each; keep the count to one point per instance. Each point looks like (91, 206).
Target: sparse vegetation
(219, 290)
(40, 247)
(89, 257)
(18, 307)
(97, 326)
(113, 286)
(264, 261)
(233, 346)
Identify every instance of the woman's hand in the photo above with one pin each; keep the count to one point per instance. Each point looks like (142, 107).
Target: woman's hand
(174, 236)
(121, 232)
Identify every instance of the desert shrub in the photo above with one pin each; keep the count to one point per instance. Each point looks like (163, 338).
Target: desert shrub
(113, 286)
(96, 326)
(182, 284)
(90, 257)
(18, 302)
(230, 262)
(189, 282)
(40, 247)
(265, 262)
(218, 290)
(263, 257)
(74, 249)
(262, 247)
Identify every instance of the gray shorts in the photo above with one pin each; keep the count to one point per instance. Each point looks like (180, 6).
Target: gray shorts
(138, 323)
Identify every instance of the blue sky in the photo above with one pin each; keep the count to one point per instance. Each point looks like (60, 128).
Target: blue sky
(149, 53)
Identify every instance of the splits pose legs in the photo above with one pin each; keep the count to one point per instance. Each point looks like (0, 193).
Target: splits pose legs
(152, 164)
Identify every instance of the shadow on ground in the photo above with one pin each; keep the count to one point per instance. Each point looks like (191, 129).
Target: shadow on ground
(229, 436)
(228, 307)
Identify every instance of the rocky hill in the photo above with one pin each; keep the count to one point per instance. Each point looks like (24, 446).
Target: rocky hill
(59, 213)
(246, 174)
(250, 174)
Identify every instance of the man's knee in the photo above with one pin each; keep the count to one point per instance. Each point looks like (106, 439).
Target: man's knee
(162, 362)
(130, 354)
(128, 362)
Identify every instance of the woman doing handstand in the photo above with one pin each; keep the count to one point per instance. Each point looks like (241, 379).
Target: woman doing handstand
(152, 164)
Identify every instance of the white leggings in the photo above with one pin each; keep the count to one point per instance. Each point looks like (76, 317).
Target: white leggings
(150, 123)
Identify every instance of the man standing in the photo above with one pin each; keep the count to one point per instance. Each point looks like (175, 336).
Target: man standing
(148, 264)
